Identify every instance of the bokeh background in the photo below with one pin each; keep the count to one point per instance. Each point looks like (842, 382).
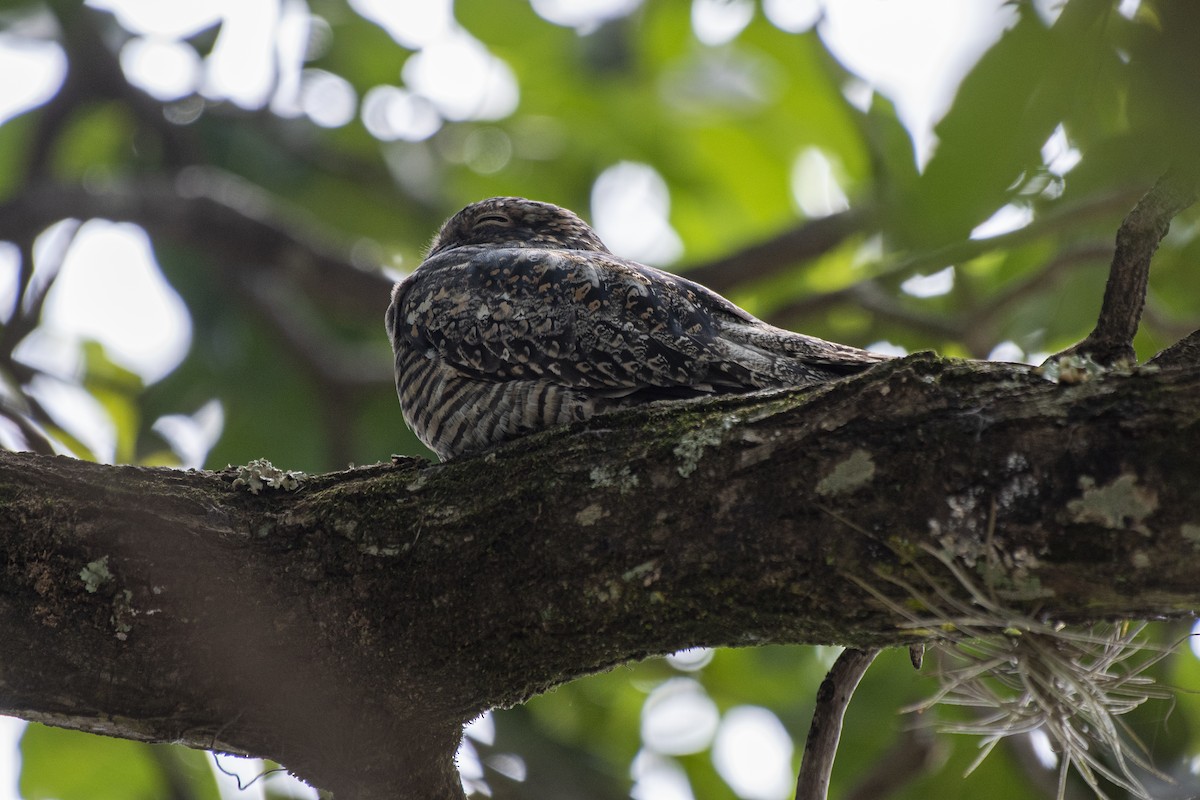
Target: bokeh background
(203, 205)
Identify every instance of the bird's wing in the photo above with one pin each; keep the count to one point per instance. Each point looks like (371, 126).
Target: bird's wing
(582, 319)
(595, 322)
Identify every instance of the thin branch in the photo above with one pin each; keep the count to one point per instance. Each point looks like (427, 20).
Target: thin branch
(1055, 220)
(298, 326)
(1111, 341)
(340, 372)
(188, 207)
(30, 296)
(762, 259)
(773, 255)
(817, 237)
(912, 755)
(93, 72)
(868, 294)
(979, 327)
(1165, 325)
(832, 699)
(35, 440)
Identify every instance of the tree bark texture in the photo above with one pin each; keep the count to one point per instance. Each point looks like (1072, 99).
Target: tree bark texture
(348, 628)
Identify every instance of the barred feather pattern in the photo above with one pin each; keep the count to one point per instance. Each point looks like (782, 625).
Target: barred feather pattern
(520, 319)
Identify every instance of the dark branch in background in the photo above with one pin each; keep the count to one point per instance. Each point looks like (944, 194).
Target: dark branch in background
(298, 324)
(340, 372)
(1166, 326)
(31, 298)
(94, 73)
(771, 256)
(1111, 341)
(189, 207)
(975, 326)
(256, 246)
(817, 237)
(878, 293)
(833, 697)
(869, 294)
(26, 413)
(910, 756)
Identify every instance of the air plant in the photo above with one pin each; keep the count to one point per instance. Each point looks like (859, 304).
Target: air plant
(1022, 674)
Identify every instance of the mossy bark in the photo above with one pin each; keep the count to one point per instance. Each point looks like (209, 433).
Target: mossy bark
(348, 628)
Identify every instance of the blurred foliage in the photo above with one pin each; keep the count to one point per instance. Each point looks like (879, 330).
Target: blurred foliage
(1060, 124)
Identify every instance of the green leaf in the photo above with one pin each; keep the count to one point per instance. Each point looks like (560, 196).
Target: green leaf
(60, 764)
(1006, 109)
(99, 137)
(116, 389)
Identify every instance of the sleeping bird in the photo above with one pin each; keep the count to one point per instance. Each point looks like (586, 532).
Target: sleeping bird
(520, 319)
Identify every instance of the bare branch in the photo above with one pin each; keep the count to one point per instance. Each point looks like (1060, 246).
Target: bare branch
(1111, 341)
(816, 237)
(769, 257)
(832, 699)
(913, 754)
(254, 233)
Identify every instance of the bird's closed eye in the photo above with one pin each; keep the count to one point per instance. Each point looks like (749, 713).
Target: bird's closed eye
(492, 219)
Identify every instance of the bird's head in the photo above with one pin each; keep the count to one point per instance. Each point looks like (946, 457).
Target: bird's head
(516, 222)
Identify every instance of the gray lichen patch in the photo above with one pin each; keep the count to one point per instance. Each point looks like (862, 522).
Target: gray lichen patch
(590, 515)
(260, 474)
(849, 475)
(622, 479)
(647, 572)
(95, 574)
(1120, 505)
(1191, 532)
(379, 550)
(691, 445)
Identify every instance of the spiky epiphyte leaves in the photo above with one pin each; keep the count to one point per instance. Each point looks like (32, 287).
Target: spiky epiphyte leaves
(1021, 674)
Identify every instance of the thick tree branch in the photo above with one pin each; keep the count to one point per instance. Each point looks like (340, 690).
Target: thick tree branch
(1184, 353)
(349, 628)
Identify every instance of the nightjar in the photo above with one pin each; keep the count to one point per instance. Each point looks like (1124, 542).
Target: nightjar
(520, 319)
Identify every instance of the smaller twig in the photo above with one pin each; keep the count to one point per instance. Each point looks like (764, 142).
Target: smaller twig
(982, 326)
(339, 373)
(257, 231)
(31, 296)
(832, 699)
(286, 310)
(768, 257)
(868, 294)
(35, 440)
(1111, 341)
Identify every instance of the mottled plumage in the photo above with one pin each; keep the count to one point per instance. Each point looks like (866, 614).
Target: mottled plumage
(520, 319)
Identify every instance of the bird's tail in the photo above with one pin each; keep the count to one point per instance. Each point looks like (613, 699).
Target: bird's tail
(794, 358)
